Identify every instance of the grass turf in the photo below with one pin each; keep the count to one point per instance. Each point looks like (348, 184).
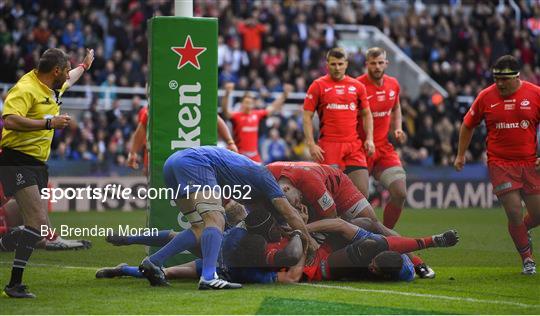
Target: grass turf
(481, 275)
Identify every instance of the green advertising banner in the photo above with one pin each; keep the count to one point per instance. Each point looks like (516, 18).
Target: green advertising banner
(183, 102)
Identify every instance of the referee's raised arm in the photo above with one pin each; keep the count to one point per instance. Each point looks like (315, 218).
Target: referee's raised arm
(31, 113)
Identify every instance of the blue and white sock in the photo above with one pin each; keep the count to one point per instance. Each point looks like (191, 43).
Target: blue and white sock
(210, 244)
(183, 241)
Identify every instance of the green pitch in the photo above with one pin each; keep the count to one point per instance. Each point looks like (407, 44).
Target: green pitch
(481, 275)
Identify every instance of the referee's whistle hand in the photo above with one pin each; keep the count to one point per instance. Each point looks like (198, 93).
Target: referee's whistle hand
(61, 121)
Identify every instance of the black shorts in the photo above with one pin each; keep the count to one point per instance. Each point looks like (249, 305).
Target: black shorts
(19, 170)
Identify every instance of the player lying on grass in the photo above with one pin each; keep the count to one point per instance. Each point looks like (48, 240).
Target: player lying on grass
(208, 167)
(330, 193)
(249, 258)
(343, 253)
(11, 219)
(229, 267)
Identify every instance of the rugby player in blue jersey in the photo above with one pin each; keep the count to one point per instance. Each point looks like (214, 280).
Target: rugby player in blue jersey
(196, 174)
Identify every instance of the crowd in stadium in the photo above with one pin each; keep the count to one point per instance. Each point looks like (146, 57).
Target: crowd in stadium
(266, 44)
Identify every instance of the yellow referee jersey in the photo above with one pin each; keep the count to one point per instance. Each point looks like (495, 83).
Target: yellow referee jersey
(32, 99)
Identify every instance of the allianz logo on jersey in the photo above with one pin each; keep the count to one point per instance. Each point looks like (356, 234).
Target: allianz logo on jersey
(250, 129)
(381, 114)
(524, 124)
(336, 106)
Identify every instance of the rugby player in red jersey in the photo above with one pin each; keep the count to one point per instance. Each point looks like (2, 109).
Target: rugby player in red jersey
(342, 255)
(328, 191)
(511, 109)
(339, 101)
(138, 142)
(329, 194)
(385, 165)
(246, 121)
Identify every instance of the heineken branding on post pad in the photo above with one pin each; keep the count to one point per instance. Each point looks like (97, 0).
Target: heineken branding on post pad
(183, 99)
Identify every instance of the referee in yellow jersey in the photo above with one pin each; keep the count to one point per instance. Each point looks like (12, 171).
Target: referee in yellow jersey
(31, 113)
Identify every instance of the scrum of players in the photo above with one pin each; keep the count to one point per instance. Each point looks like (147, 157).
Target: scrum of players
(337, 238)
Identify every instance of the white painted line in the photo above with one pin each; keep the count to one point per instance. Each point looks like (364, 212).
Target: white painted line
(31, 264)
(345, 288)
(442, 297)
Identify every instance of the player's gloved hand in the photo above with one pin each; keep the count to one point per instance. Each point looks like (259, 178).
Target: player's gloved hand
(459, 163)
(133, 160)
(316, 153)
(370, 147)
(400, 136)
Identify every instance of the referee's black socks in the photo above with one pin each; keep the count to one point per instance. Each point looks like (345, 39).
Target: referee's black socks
(8, 242)
(28, 237)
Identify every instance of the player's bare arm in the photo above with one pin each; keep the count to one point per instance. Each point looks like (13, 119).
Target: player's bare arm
(314, 149)
(138, 139)
(367, 120)
(396, 121)
(294, 274)
(24, 124)
(225, 134)
(465, 136)
(333, 225)
(276, 106)
(229, 87)
(76, 73)
(292, 217)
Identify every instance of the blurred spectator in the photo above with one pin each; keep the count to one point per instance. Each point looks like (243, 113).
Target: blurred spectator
(274, 148)
(263, 45)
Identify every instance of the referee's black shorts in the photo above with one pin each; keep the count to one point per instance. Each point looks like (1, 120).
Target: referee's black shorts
(19, 170)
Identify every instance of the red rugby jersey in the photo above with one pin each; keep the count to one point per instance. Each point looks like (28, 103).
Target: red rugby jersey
(511, 122)
(246, 131)
(320, 184)
(337, 103)
(381, 102)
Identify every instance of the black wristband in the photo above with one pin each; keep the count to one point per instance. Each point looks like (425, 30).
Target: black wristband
(48, 123)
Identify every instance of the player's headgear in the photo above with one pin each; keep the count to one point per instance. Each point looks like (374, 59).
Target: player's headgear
(262, 223)
(389, 263)
(505, 67)
(361, 252)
